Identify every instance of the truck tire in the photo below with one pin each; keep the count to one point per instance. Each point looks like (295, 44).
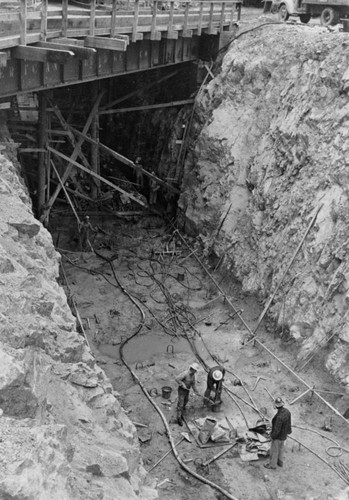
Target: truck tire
(329, 17)
(283, 13)
(305, 18)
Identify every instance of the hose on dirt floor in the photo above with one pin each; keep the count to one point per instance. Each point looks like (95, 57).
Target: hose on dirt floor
(322, 459)
(135, 377)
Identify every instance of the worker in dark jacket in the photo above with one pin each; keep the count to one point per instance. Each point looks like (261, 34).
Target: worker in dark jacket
(85, 228)
(215, 379)
(186, 381)
(280, 428)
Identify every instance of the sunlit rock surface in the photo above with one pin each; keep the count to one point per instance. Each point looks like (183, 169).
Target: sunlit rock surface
(271, 147)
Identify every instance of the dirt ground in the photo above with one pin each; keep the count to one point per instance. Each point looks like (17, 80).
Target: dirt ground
(186, 320)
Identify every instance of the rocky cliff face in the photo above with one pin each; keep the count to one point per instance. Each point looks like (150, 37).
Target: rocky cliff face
(63, 434)
(271, 147)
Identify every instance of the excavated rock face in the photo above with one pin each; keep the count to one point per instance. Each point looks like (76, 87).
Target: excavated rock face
(63, 435)
(272, 146)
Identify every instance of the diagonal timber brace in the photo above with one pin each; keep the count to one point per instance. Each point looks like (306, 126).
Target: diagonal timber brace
(97, 176)
(72, 159)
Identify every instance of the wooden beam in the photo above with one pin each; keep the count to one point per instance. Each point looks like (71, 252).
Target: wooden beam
(114, 186)
(23, 21)
(170, 35)
(79, 52)
(3, 59)
(201, 13)
(135, 22)
(64, 17)
(221, 22)
(155, 36)
(138, 91)
(211, 29)
(94, 157)
(66, 130)
(126, 161)
(32, 150)
(43, 155)
(153, 20)
(92, 17)
(67, 41)
(187, 33)
(113, 18)
(185, 25)
(30, 53)
(170, 21)
(65, 192)
(43, 23)
(150, 106)
(74, 155)
(98, 42)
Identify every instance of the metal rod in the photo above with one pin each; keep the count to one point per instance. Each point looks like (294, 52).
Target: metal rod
(219, 455)
(311, 223)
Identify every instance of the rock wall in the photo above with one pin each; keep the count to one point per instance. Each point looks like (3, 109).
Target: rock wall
(63, 434)
(270, 146)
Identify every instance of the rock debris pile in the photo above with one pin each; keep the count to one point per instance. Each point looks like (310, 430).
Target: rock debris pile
(61, 422)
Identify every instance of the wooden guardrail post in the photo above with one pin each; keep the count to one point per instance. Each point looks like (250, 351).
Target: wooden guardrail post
(43, 24)
(170, 20)
(135, 22)
(211, 30)
(92, 17)
(221, 23)
(186, 17)
(233, 8)
(113, 18)
(23, 22)
(201, 13)
(64, 18)
(239, 11)
(153, 20)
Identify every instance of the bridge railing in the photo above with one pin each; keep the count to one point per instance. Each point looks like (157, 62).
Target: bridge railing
(24, 22)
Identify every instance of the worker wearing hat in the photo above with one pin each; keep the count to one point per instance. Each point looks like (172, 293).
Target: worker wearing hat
(215, 379)
(84, 233)
(280, 428)
(186, 381)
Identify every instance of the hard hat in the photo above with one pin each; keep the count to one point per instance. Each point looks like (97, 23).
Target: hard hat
(279, 402)
(217, 375)
(195, 367)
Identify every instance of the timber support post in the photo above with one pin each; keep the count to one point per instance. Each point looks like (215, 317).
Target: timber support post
(42, 154)
(95, 164)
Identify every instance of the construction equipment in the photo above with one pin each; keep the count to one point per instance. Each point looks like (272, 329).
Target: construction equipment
(185, 436)
(330, 12)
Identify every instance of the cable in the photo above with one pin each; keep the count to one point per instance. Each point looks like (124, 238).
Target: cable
(244, 33)
(135, 377)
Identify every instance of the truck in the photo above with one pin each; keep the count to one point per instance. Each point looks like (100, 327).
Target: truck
(330, 11)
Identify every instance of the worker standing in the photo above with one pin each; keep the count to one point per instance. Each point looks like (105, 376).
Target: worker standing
(138, 171)
(84, 232)
(186, 381)
(280, 428)
(215, 378)
(153, 190)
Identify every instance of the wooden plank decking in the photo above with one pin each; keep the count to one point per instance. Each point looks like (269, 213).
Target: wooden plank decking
(24, 22)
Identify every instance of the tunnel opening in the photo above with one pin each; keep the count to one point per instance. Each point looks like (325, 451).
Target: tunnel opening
(142, 118)
(126, 159)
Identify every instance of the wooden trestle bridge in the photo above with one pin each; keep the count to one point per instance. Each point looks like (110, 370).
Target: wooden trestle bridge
(50, 44)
